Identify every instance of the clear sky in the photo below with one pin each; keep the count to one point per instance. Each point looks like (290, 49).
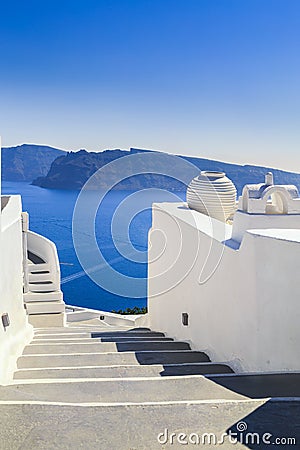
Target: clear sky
(212, 78)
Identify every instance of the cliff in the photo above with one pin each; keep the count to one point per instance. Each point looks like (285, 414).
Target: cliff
(27, 162)
(72, 170)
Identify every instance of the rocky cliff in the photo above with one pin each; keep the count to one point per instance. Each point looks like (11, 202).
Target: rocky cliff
(72, 170)
(27, 162)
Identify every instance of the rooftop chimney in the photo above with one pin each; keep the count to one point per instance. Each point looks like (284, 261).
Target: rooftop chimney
(269, 179)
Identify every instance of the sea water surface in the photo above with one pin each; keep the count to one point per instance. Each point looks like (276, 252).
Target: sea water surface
(50, 214)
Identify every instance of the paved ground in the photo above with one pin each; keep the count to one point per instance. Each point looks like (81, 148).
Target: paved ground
(136, 427)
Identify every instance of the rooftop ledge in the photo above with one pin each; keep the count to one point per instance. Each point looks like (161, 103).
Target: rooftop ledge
(219, 231)
(290, 235)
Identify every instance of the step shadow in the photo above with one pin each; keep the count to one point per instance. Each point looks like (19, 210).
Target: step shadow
(177, 358)
(274, 424)
(170, 357)
(262, 386)
(195, 369)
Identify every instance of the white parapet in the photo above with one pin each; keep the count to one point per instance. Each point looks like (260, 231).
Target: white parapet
(242, 301)
(244, 221)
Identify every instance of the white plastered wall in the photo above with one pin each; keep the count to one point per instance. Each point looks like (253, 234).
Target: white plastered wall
(14, 337)
(244, 221)
(245, 313)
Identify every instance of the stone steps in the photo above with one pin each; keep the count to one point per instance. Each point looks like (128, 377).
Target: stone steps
(105, 387)
(125, 390)
(78, 335)
(105, 333)
(104, 347)
(99, 335)
(125, 334)
(76, 340)
(155, 370)
(86, 329)
(113, 358)
(153, 389)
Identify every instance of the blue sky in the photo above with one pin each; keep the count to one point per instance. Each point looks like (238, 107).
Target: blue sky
(211, 78)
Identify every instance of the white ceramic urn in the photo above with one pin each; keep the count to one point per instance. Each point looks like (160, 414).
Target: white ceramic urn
(213, 194)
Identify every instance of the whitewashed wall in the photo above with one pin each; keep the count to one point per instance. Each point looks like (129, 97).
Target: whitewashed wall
(246, 312)
(18, 333)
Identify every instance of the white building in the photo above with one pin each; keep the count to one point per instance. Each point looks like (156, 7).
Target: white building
(236, 287)
(29, 289)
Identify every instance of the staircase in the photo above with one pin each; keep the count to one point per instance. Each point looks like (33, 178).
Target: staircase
(43, 298)
(119, 353)
(117, 387)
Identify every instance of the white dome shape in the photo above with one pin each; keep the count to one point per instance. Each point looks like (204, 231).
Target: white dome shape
(213, 194)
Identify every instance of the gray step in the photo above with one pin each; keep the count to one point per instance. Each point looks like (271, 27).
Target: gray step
(72, 340)
(103, 335)
(133, 338)
(114, 334)
(117, 390)
(109, 359)
(123, 427)
(103, 347)
(84, 329)
(86, 340)
(98, 334)
(90, 329)
(62, 336)
(123, 371)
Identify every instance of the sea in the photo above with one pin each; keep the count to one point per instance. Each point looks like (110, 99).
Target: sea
(51, 214)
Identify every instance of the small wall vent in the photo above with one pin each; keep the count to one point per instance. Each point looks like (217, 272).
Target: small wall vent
(185, 319)
(5, 320)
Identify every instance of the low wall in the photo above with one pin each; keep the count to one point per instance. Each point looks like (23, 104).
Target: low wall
(14, 337)
(243, 307)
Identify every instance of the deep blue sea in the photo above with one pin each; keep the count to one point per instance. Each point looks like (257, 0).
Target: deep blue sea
(50, 214)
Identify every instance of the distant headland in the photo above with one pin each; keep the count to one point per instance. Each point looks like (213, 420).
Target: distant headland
(53, 168)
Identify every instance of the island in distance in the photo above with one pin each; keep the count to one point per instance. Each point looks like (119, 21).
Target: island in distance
(72, 170)
(52, 168)
(26, 162)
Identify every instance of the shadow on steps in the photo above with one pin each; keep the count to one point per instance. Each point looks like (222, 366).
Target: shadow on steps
(195, 369)
(272, 424)
(262, 386)
(176, 357)
(170, 357)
